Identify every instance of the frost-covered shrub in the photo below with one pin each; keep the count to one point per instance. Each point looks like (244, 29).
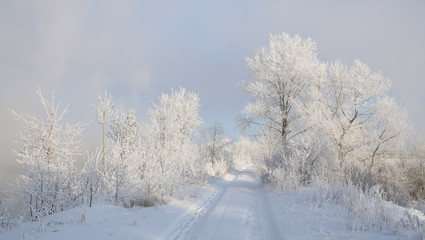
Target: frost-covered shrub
(268, 146)
(412, 226)
(391, 179)
(368, 211)
(364, 211)
(301, 162)
(415, 177)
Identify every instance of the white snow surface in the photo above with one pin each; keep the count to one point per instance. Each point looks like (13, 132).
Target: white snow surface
(236, 207)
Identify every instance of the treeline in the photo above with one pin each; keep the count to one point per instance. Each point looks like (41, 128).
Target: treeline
(139, 163)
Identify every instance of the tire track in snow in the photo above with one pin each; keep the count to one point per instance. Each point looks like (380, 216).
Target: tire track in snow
(267, 219)
(224, 199)
(193, 214)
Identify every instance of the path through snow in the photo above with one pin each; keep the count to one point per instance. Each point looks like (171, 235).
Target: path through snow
(238, 210)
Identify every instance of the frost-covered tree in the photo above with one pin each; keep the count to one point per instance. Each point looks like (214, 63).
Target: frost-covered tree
(281, 77)
(388, 129)
(150, 167)
(173, 124)
(47, 155)
(343, 107)
(300, 161)
(218, 146)
(123, 154)
(176, 118)
(92, 176)
(353, 111)
(104, 112)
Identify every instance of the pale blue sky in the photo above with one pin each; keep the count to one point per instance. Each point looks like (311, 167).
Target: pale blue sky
(138, 49)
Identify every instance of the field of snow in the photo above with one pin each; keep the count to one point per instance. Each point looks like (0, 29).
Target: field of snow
(235, 207)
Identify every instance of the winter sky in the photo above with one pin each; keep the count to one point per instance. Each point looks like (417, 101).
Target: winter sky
(138, 49)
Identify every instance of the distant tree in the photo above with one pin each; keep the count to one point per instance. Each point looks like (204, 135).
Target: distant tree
(217, 150)
(281, 77)
(218, 146)
(47, 155)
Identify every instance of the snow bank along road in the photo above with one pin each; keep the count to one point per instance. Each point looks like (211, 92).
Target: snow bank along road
(237, 209)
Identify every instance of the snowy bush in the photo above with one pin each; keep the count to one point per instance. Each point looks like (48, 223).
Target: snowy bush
(391, 179)
(368, 211)
(412, 225)
(300, 162)
(415, 176)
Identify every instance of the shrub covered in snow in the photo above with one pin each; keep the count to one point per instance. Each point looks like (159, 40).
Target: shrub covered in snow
(299, 162)
(369, 211)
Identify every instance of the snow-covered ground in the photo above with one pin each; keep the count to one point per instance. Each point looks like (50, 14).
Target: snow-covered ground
(236, 207)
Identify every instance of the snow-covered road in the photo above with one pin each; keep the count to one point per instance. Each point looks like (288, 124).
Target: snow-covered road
(238, 210)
